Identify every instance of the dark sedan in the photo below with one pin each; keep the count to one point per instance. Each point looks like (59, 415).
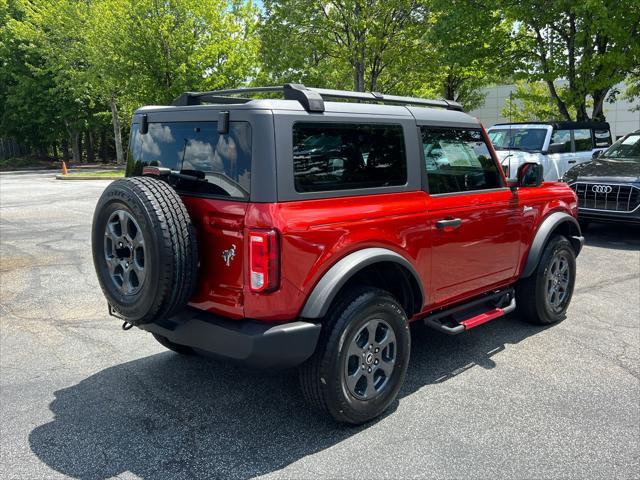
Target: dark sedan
(608, 187)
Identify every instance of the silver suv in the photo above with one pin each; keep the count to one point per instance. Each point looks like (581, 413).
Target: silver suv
(557, 146)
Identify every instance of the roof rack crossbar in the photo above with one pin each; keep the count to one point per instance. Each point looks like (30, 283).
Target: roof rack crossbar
(312, 99)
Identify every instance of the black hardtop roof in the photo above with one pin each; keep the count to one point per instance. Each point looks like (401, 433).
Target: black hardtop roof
(561, 125)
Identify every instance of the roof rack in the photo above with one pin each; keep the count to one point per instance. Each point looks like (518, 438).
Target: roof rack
(312, 99)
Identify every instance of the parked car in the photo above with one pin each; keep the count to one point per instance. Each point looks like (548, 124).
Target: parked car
(608, 187)
(303, 231)
(557, 146)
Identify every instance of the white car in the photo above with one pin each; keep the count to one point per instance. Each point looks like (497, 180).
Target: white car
(558, 146)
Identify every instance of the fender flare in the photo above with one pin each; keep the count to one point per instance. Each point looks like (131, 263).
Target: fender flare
(337, 276)
(547, 228)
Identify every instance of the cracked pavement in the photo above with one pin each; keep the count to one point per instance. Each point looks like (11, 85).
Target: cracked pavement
(80, 398)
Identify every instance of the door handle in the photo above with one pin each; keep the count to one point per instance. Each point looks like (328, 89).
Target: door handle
(571, 161)
(449, 223)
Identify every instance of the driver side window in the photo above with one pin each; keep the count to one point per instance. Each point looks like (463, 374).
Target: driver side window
(562, 137)
(458, 160)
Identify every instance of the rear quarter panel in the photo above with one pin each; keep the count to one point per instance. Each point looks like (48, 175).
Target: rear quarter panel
(315, 234)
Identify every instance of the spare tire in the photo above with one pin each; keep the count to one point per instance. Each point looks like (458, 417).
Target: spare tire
(144, 249)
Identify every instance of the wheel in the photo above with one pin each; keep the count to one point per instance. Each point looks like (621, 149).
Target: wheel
(144, 249)
(544, 297)
(183, 349)
(361, 358)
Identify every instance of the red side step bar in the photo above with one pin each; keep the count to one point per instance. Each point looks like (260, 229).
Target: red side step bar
(453, 326)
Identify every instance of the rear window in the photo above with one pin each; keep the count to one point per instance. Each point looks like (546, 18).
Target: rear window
(602, 138)
(222, 161)
(328, 157)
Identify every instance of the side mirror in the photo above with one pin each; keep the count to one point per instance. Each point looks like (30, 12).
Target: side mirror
(557, 148)
(530, 174)
(596, 154)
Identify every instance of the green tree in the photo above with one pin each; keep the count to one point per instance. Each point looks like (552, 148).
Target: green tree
(591, 44)
(359, 44)
(150, 51)
(44, 97)
(466, 48)
(531, 102)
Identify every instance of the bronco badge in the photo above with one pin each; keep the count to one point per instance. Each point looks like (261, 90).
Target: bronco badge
(228, 255)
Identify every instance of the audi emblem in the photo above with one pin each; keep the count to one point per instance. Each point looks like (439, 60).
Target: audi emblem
(601, 189)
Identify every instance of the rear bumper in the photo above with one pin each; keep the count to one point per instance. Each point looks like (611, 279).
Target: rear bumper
(253, 343)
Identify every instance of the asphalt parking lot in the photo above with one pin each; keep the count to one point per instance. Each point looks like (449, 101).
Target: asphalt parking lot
(81, 398)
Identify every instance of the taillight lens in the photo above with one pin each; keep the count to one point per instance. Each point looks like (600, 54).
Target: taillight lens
(264, 260)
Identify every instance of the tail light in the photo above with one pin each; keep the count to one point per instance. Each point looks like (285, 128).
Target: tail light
(264, 260)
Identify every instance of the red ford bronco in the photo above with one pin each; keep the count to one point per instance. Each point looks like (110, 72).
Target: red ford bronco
(304, 231)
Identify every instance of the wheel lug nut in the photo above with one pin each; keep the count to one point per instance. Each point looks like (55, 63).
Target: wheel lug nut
(369, 369)
(377, 350)
(377, 361)
(370, 347)
(363, 367)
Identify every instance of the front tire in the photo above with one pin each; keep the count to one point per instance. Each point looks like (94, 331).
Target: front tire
(361, 359)
(544, 297)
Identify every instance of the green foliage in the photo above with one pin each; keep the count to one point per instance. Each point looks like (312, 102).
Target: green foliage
(64, 61)
(364, 45)
(148, 52)
(531, 102)
(592, 44)
(71, 68)
(467, 48)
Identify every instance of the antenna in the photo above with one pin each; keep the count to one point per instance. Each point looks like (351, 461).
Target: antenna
(510, 130)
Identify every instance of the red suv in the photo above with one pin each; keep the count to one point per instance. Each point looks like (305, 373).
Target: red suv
(303, 231)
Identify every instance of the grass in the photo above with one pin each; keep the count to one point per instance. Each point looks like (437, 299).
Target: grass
(119, 173)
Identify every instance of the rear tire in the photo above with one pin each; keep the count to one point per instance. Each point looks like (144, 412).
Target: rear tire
(175, 347)
(544, 297)
(361, 359)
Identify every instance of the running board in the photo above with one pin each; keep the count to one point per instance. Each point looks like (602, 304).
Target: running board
(463, 317)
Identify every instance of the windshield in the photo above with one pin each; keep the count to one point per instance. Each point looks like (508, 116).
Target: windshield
(627, 149)
(514, 138)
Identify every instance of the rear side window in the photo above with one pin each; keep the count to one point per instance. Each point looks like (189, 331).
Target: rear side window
(458, 160)
(582, 139)
(223, 162)
(329, 156)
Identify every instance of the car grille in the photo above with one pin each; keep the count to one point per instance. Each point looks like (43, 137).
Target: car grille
(607, 197)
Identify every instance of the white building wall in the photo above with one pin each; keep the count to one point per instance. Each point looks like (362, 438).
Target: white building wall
(619, 114)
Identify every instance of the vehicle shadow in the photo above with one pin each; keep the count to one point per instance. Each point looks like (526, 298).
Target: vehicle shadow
(170, 416)
(614, 236)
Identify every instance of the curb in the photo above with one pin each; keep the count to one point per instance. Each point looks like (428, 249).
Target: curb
(83, 177)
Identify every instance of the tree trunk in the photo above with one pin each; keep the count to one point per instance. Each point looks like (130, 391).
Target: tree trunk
(598, 105)
(65, 150)
(103, 145)
(358, 76)
(581, 112)
(116, 132)
(54, 150)
(74, 137)
(91, 156)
